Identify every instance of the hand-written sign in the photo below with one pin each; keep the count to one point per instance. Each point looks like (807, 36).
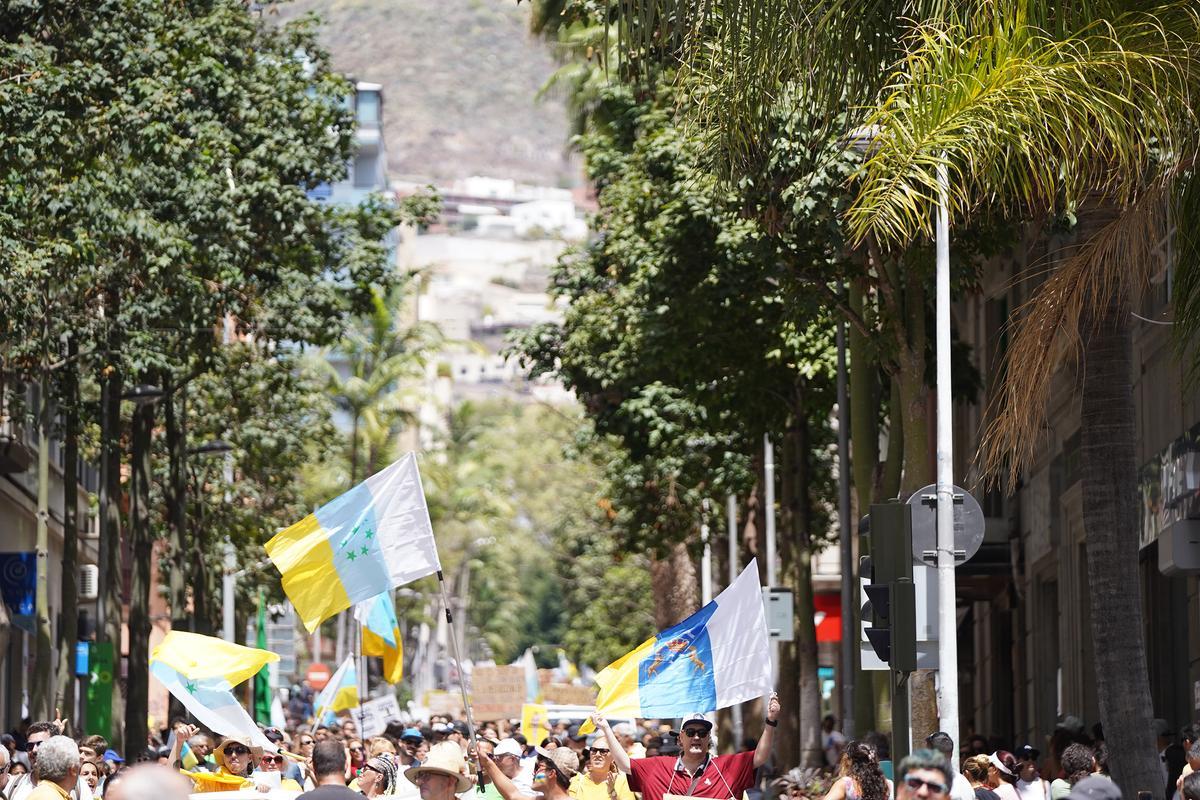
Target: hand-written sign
(568, 694)
(376, 714)
(497, 692)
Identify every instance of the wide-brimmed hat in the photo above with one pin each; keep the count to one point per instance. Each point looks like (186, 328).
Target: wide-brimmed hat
(219, 754)
(445, 758)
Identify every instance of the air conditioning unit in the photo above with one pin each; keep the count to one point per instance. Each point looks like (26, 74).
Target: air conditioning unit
(89, 582)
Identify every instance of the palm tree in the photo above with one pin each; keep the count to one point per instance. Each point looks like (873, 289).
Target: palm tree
(1032, 107)
(384, 356)
(1095, 116)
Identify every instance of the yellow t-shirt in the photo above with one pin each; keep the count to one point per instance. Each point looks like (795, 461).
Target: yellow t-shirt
(584, 788)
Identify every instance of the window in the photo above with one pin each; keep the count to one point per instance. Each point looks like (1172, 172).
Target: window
(367, 105)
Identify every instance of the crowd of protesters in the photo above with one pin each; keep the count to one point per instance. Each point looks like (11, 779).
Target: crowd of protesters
(659, 760)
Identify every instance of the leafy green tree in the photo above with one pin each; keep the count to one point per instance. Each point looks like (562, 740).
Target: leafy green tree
(156, 186)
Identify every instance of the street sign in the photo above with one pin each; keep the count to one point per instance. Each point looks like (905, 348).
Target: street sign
(968, 525)
(777, 604)
(318, 675)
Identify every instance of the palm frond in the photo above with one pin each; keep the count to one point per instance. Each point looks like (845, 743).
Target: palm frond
(1021, 119)
(1114, 261)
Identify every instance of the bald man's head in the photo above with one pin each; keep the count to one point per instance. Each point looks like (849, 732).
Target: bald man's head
(148, 782)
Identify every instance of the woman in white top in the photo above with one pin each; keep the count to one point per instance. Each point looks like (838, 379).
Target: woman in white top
(1002, 775)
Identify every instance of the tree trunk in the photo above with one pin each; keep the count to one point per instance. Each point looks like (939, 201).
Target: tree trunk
(68, 617)
(797, 546)
(109, 622)
(137, 684)
(41, 700)
(864, 405)
(865, 468)
(176, 516)
(1110, 520)
(673, 578)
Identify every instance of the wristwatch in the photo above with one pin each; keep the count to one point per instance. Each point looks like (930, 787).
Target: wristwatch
(774, 723)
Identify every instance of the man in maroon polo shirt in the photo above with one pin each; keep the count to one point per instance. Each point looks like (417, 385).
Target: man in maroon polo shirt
(695, 772)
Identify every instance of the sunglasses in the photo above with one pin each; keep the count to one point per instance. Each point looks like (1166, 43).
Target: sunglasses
(236, 750)
(32, 745)
(600, 751)
(306, 742)
(356, 750)
(696, 733)
(272, 759)
(915, 783)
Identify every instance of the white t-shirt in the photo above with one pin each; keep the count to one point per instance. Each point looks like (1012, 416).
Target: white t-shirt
(832, 743)
(1036, 789)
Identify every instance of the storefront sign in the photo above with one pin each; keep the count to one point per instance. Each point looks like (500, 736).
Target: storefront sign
(1170, 486)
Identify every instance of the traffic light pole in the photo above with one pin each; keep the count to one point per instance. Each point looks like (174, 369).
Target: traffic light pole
(893, 599)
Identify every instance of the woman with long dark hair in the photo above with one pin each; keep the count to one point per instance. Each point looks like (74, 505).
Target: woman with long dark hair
(859, 775)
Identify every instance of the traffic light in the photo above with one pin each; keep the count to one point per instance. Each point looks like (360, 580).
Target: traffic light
(891, 595)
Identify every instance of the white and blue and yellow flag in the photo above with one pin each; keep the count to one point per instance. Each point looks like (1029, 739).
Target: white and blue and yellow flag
(715, 658)
(360, 544)
(340, 693)
(201, 671)
(381, 634)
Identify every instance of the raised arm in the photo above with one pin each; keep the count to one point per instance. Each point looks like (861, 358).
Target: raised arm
(765, 742)
(620, 757)
(504, 785)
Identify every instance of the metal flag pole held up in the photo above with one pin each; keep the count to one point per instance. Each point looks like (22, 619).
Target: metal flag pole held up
(462, 677)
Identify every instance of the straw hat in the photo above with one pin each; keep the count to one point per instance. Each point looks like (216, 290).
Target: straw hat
(445, 758)
(219, 754)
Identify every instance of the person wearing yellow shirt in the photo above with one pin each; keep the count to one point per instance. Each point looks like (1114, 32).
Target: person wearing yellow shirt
(600, 779)
(233, 758)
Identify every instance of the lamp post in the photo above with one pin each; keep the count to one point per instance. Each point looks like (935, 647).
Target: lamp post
(947, 611)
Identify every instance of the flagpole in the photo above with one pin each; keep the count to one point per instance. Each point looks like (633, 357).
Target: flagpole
(462, 676)
(360, 677)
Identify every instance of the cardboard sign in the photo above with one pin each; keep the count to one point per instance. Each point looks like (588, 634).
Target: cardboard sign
(443, 703)
(568, 694)
(375, 716)
(497, 692)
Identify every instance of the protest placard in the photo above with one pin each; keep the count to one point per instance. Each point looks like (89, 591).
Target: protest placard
(497, 692)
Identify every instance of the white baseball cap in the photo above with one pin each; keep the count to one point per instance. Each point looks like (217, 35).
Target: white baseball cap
(508, 747)
(695, 716)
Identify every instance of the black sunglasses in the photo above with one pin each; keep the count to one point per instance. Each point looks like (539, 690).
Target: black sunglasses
(236, 750)
(915, 783)
(600, 751)
(696, 733)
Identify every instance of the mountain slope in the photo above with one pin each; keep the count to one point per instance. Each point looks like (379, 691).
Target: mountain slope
(459, 80)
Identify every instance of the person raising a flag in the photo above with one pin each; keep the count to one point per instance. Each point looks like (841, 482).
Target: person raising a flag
(695, 772)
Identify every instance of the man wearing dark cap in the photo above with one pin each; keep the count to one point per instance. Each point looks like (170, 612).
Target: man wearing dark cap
(1030, 785)
(695, 771)
(960, 789)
